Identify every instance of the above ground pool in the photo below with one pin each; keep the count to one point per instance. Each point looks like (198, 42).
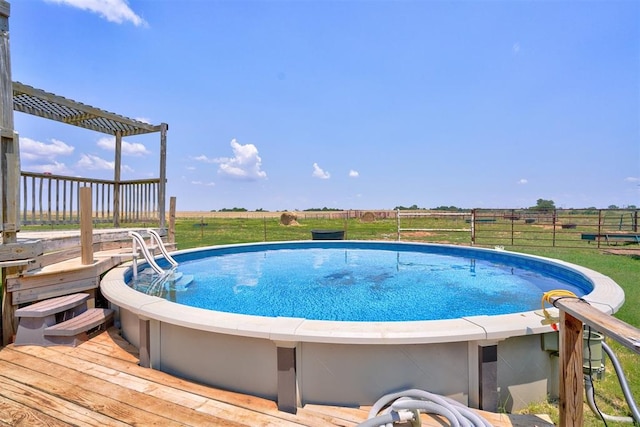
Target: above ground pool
(373, 318)
(357, 282)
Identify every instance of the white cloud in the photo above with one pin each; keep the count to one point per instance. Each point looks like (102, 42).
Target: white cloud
(117, 11)
(55, 168)
(319, 173)
(88, 161)
(34, 150)
(523, 181)
(144, 120)
(206, 184)
(245, 163)
(128, 148)
(205, 159)
(353, 174)
(516, 48)
(632, 179)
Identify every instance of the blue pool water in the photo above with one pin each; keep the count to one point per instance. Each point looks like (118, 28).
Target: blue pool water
(343, 282)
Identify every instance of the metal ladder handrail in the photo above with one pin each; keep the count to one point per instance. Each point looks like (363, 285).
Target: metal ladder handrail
(154, 234)
(138, 240)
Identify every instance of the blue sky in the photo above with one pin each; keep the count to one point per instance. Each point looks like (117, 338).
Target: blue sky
(285, 105)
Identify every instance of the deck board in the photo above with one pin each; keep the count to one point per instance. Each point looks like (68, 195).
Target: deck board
(99, 383)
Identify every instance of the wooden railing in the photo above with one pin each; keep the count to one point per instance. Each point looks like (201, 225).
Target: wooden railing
(53, 199)
(575, 313)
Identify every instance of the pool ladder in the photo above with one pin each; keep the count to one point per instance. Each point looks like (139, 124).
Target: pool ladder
(138, 241)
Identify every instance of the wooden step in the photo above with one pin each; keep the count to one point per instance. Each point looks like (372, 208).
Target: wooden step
(90, 319)
(35, 318)
(52, 306)
(74, 331)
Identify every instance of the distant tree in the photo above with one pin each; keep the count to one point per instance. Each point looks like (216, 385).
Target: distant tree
(261, 210)
(324, 209)
(410, 208)
(632, 207)
(447, 208)
(613, 207)
(544, 205)
(233, 210)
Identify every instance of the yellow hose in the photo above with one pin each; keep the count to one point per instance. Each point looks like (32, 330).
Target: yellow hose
(547, 297)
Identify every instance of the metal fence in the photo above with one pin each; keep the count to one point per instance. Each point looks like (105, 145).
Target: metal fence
(556, 227)
(570, 228)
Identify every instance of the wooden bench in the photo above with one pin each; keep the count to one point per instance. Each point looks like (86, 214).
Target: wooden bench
(58, 321)
(611, 237)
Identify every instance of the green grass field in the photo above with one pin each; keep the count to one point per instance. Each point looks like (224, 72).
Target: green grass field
(543, 236)
(625, 270)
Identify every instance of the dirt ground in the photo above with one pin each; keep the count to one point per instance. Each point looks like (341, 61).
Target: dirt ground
(207, 214)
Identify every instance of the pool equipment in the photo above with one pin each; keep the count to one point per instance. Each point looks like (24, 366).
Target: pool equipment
(407, 405)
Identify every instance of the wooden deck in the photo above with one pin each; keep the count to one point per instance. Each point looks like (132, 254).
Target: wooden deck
(99, 383)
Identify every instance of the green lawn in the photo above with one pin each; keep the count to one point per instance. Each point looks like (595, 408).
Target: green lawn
(625, 270)
(534, 238)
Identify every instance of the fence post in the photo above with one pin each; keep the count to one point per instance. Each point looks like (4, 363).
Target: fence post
(513, 215)
(86, 226)
(473, 227)
(172, 219)
(599, 227)
(555, 224)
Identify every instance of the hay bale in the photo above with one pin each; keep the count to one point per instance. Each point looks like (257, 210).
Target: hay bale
(289, 218)
(368, 217)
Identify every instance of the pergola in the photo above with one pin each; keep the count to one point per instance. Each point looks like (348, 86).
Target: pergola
(29, 100)
(16, 96)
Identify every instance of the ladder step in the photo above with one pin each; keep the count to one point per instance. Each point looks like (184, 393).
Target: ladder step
(52, 306)
(83, 322)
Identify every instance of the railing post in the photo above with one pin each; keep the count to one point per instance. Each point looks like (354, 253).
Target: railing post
(571, 380)
(86, 226)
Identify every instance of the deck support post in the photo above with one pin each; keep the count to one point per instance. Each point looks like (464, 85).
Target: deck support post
(287, 380)
(488, 377)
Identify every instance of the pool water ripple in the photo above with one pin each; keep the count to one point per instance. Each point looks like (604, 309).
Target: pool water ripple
(351, 284)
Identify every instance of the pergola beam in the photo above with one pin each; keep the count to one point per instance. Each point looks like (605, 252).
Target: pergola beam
(37, 102)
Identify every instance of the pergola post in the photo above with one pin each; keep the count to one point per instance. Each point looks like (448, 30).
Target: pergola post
(116, 180)
(163, 174)
(9, 167)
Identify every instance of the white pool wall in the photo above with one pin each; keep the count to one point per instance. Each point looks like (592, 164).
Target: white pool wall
(350, 363)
